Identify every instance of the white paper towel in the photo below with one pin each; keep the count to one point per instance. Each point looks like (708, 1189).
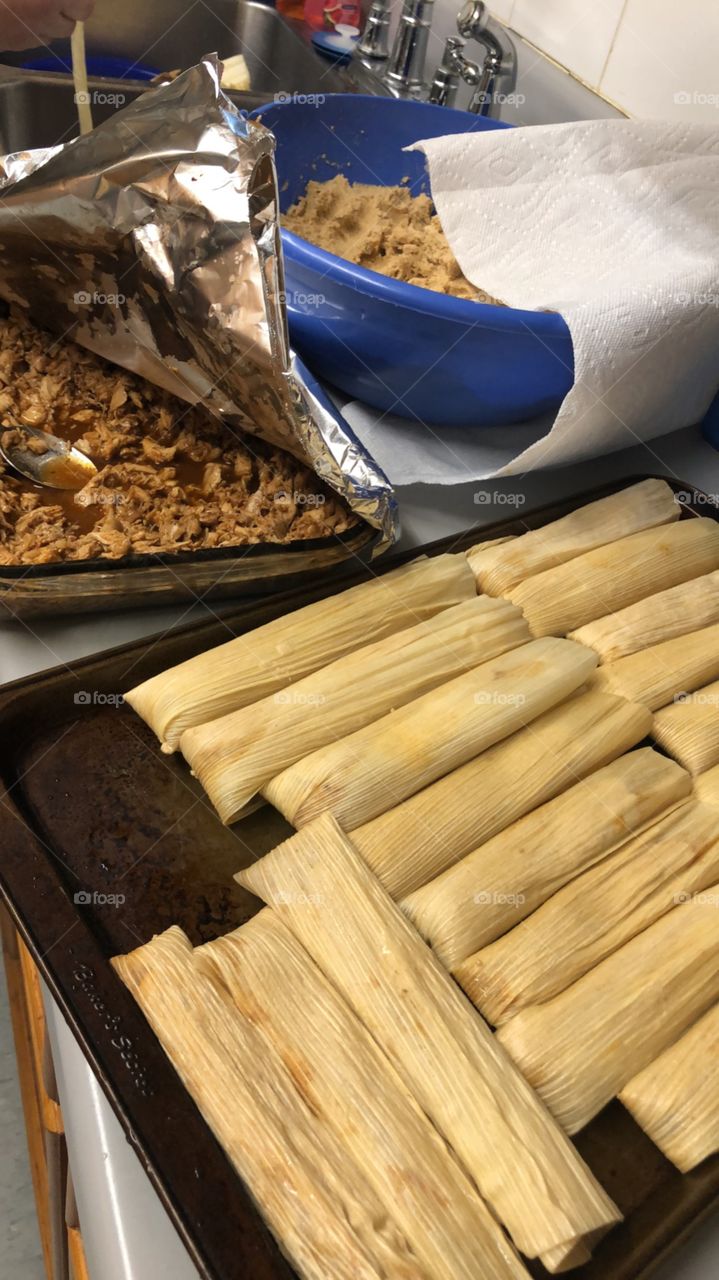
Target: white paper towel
(613, 223)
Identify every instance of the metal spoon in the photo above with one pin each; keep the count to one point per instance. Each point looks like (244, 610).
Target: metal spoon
(50, 462)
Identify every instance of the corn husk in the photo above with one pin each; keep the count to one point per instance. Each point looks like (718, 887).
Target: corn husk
(530, 1175)
(379, 766)
(595, 914)
(353, 1090)
(690, 606)
(420, 838)
(641, 506)
(706, 787)
(581, 1048)
(257, 664)
(485, 550)
(497, 885)
(236, 755)
(688, 729)
(312, 1195)
(675, 1099)
(610, 578)
(656, 676)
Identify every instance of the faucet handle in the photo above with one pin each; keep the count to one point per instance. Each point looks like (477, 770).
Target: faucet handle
(472, 19)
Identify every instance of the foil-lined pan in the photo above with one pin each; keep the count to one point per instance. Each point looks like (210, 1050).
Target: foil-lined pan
(154, 242)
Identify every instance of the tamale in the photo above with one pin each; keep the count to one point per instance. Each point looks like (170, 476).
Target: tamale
(381, 765)
(690, 606)
(497, 885)
(237, 754)
(416, 841)
(312, 1195)
(529, 1173)
(642, 506)
(706, 787)
(688, 729)
(595, 914)
(582, 1047)
(599, 582)
(257, 664)
(476, 554)
(675, 1099)
(655, 676)
(353, 1090)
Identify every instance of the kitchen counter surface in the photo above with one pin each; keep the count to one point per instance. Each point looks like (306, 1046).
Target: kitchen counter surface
(127, 1233)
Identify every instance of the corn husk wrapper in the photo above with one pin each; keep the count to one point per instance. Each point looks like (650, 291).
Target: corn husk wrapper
(257, 664)
(706, 787)
(561, 600)
(643, 505)
(481, 550)
(688, 729)
(531, 1176)
(658, 675)
(419, 839)
(314, 1198)
(497, 885)
(379, 766)
(690, 606)
(353, 1090)
(675, 1099)
(581, 1048)
(595, 914)
(237, 754)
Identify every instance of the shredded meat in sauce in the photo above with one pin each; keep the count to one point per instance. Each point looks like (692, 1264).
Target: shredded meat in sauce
(170, 477)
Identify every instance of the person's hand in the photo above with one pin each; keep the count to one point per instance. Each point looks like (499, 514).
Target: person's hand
(25, 24)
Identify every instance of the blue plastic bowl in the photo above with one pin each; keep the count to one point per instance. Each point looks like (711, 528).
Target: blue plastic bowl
(99, 65)
(403, 349)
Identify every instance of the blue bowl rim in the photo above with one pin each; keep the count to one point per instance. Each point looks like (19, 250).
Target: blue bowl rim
(410, 296)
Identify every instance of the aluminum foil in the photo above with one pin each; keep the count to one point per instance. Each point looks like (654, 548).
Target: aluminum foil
(154, 242)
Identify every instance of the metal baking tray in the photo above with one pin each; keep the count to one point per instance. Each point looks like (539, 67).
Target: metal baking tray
(105, 842)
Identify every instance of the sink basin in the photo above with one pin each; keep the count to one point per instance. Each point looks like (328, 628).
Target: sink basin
(278, 53)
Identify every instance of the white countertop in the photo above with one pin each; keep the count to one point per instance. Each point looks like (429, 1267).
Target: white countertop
(127, 1233)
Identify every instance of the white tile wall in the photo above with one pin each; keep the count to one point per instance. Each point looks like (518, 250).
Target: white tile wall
(650, 57)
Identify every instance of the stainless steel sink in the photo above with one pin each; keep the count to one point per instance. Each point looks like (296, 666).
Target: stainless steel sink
(165, 35)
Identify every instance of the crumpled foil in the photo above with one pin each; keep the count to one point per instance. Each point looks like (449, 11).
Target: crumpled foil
(154, 242)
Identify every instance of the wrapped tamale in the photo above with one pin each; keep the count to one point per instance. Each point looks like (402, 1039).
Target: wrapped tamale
(237, 754)
(676, 1098)
(595, 914)
(497, 885)
(582, 1047)
(379, 766)
(314, 1198)
(655, 676)
(529, 1173)
(610, 578)
(476, 553)
(353, 1090)
(688, 729)
(690, 606)
(706, 786)
(642, 506)
(416, 841)
(260, 662)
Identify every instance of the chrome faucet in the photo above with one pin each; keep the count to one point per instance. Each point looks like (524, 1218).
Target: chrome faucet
(499, 67)
(405, 71)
